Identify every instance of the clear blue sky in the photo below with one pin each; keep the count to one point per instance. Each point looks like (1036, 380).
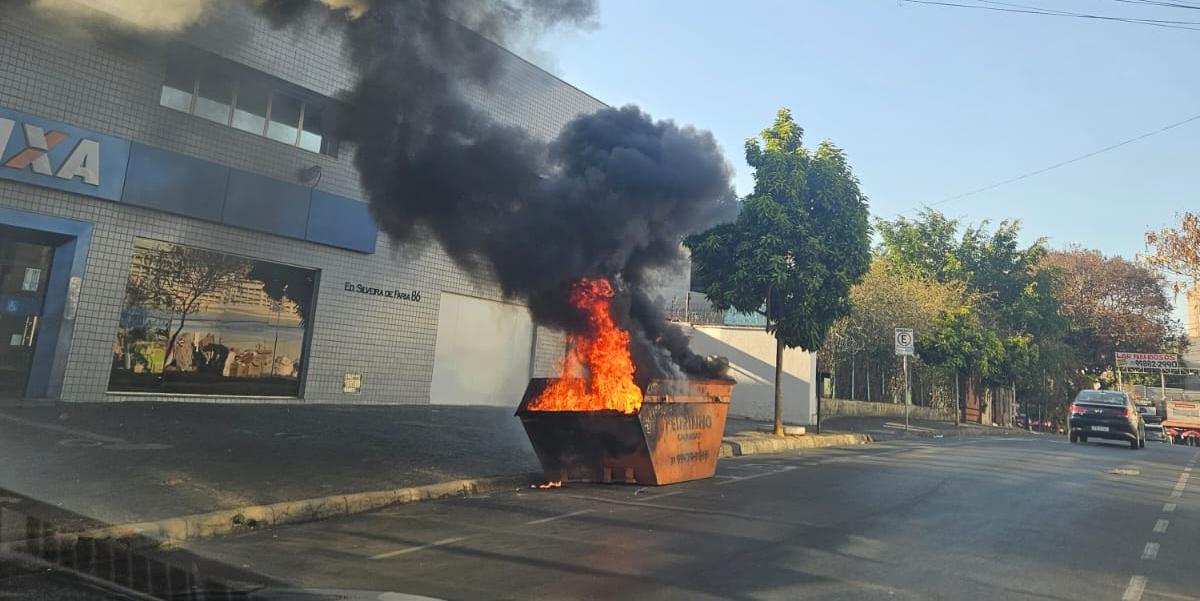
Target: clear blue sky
(928, 102)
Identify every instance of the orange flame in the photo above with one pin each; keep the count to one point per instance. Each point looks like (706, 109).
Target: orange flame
(603, 353)
(550, 484)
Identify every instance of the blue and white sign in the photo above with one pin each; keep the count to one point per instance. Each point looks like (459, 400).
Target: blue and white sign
(51, 154)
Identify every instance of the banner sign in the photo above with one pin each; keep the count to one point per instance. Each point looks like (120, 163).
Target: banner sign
(1146, 361)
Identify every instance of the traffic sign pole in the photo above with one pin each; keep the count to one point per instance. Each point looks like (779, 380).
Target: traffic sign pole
(904, 348)
(907, 393)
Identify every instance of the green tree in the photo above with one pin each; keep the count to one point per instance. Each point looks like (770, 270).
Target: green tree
(962, 344)
(884, 300)
(925, 247)
(801, 240)
(1016, 299)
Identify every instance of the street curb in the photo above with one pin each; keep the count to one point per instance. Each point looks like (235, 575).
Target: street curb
(757, 444)
(247, 518)
(168, 531)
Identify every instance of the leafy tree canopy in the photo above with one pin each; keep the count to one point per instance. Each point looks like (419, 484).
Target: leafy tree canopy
(801, 240)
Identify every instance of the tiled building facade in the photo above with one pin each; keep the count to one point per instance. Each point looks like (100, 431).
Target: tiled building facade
(356, 347)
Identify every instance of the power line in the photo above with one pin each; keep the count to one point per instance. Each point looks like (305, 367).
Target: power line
(1033, 10)
(1163, 3)
(1056, 165)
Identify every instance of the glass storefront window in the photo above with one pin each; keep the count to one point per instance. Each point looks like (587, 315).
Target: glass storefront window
(204, 322)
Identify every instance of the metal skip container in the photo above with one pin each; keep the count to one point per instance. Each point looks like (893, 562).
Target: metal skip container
(674, 437)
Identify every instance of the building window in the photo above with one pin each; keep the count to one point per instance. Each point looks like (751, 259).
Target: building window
(247, 103)
(177, 90)
(283, 124)
(251, 111)
(203, 322)
(214, 99)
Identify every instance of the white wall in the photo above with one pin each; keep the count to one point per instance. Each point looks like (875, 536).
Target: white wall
(751, 353)
(482, 353)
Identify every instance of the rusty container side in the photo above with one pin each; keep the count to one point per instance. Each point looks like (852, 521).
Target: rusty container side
(589, 446)
(683, 423)
(674, 438)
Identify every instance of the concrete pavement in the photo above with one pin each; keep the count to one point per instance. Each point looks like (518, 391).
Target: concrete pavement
(182, 470)
(960, 518)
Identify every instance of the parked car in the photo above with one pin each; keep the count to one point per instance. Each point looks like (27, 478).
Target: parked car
(1157, 433)
(1106, 414)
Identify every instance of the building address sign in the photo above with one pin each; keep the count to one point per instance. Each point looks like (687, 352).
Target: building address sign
(404, 295)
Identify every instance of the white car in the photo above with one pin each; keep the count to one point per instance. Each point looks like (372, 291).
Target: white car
(1156, 432)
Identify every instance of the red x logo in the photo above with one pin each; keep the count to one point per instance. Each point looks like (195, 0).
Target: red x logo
(38, 143)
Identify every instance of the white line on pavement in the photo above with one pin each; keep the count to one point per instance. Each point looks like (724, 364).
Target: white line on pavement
(436, 543)
(661, 495)
(1161, 526)
(786, 468)
(62, 429)
(559, 517)
(1151, 551)
(1168, 507)
(1176, 493)
(1187, 469)
(1133, 592)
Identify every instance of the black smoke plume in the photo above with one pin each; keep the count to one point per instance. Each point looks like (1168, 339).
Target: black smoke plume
(611, 196)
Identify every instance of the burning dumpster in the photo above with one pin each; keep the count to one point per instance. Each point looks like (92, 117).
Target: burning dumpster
(673, 434)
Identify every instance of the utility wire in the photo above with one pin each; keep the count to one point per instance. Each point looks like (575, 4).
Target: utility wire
(1056, 165)
(1022, 9)
(1163, 3)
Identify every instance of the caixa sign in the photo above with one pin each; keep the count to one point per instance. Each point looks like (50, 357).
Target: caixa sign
(56, 155)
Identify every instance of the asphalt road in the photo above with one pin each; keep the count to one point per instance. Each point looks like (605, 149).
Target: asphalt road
(985, 518)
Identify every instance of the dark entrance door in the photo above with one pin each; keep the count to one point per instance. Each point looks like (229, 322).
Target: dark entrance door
(24, 273)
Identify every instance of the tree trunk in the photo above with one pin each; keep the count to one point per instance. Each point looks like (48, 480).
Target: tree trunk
(778, 387)
(853, 370)
(867, 380)
(1012, 411)
(957, 401)
(169, 358)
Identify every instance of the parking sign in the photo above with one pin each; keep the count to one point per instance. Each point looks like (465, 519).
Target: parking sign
(904, 341)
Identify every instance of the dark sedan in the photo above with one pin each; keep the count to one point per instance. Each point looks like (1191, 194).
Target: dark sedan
(1106, 414)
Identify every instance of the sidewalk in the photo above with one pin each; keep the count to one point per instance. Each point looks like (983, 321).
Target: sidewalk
(224, 466)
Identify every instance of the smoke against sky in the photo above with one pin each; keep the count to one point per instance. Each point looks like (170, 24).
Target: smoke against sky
(611, 196)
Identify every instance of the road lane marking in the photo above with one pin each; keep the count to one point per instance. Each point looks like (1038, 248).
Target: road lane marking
(786, 468)
(62, 429)
(1187, 469)
(1161, 526)
(1151, 551)
(661, 495)
(1176, 493)
(436, 543)
(1168, 508)
(559, 517)
(1133, 592)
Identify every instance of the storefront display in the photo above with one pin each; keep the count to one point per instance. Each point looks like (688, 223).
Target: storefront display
(203, 322)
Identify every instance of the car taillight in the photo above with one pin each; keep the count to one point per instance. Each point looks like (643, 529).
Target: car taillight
(1077, 409)
(1130, 412)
